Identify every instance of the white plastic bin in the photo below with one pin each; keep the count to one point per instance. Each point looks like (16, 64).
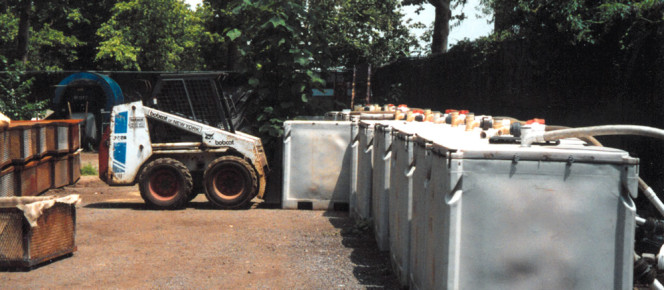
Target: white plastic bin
(316, 164)
(360, 205)
(400, 199)
(510, 217)
(381, 183)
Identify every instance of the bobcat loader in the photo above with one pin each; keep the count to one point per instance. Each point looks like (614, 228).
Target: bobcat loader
(181, 144)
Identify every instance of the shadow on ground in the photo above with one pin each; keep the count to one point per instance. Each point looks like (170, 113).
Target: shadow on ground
(372, 267)
(34, 267)
(200, 205)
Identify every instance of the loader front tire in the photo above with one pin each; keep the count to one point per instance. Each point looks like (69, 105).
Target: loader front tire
(230, 182)
(165, 183)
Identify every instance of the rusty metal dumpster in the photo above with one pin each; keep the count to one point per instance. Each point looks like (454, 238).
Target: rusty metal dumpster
(36, 229)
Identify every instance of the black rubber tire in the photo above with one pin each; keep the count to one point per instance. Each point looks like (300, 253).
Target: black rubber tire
(165, 183)
(230, 182)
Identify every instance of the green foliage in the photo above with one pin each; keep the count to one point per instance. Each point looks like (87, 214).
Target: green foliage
(572, 21)
(14, 92)
(269, 36)
(284, 46)
(438, 33)
(151, 35)
(50, 48)
(88, 170)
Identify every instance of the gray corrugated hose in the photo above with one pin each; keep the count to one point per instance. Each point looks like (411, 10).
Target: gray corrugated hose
(592, 131)
(529, 139)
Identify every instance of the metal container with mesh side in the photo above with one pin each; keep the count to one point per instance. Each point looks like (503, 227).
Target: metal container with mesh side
(24, 246)
(27, 179)
(61, 171)
(23, 141)
(44, 174)
(74, 134)
(48, 138)
(74, 167)
(61, 130)
(8, 183)
(68, 135)
(5, 158)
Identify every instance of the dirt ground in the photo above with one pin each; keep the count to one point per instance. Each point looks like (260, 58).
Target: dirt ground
(122, 244)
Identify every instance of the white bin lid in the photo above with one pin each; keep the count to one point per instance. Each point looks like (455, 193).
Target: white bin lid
(569, 150)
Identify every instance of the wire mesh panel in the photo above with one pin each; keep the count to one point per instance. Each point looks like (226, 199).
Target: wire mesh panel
(173, 98)
(62, 137)
(8, 182)
(54, 236)
(194, 98)
(24, 246)
(11, 235)
(24, 140)
(204, 101)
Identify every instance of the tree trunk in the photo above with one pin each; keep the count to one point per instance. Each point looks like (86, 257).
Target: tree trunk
(23, 37)
(441, 27)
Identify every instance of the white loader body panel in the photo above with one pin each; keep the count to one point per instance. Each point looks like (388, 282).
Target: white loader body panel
(130, 144)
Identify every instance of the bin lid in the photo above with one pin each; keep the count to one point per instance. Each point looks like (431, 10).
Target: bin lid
(569, 150)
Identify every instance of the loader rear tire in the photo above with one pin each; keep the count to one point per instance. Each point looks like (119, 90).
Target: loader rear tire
(165, 183)
(230, 182)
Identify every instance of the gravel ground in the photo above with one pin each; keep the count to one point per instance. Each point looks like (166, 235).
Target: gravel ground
(121, 244)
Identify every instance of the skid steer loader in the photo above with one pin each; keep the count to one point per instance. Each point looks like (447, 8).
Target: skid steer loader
(181, 142)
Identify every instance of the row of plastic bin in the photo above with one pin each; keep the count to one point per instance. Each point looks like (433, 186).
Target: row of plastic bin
(23, 141)
(459, 212)
(38, 176)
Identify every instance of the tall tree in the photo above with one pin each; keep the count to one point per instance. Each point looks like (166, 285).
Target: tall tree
(441, 26)
(283, 46)
(31, 35)
(151, 35)
(92, 15)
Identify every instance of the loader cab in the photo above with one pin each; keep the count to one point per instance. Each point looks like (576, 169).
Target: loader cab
(197, 97)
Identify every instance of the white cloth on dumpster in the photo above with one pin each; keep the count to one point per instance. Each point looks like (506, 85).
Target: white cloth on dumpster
(33, 206)
(4, 121)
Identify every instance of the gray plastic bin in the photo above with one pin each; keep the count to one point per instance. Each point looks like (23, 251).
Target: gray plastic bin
(316, 164)
(360, 199)
(400, 199)
(509, 217)
(354, 156)
(422, 194)
(381, 183)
